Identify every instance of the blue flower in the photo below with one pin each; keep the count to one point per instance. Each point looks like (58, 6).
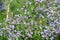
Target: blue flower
(1, 6)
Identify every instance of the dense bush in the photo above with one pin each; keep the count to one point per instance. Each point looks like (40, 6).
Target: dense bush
(29, 19)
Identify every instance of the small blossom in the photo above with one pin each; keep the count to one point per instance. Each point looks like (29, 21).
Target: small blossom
(11, 26)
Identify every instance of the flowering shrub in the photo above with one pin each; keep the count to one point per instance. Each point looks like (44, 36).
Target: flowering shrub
(29, 19)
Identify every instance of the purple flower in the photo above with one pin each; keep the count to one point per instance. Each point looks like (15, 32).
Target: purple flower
(58, 1)
(11, 26)
(1, 6)
(58, 22)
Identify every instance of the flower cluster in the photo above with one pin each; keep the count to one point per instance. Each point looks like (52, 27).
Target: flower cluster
(35, 20)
